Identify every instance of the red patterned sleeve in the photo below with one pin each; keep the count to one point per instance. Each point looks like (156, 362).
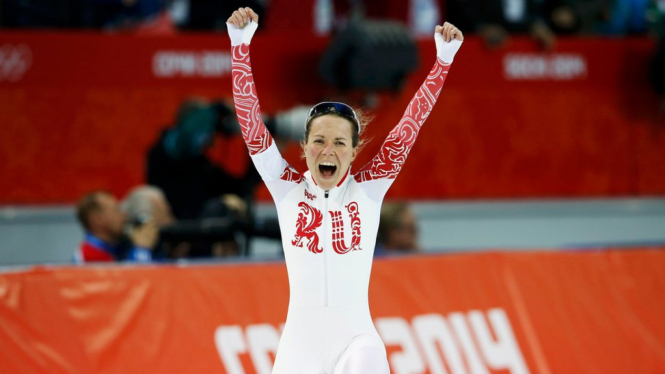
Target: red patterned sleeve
(269, 163)
(254, 132)
(388, 162)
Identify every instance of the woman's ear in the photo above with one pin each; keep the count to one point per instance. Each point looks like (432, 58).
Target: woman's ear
(303, 154)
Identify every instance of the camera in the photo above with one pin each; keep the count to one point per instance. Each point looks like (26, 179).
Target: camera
(139, 220)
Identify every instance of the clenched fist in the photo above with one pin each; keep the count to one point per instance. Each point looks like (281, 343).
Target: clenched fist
(242, 16)
(241, 26)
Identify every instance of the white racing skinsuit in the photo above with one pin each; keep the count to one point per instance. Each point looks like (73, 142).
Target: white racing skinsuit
(329, 236)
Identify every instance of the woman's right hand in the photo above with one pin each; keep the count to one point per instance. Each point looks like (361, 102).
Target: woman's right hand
(241, 26)
(242, 16)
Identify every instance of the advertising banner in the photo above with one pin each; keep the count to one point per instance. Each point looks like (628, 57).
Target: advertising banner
(518, 313)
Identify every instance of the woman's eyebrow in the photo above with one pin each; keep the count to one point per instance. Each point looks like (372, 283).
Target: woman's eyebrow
(323, 136)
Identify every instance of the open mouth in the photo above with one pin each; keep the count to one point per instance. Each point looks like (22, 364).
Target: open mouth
(327, 169)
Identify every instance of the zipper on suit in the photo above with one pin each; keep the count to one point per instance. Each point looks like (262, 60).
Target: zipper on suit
(325, 251)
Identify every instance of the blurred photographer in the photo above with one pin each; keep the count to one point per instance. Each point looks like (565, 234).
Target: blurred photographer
(146, 206)
(178, 165)
(105, 238)
(198, 190)
(177, 162)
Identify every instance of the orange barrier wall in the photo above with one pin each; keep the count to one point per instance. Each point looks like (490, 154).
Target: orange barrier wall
(535, 312)
(78, 112)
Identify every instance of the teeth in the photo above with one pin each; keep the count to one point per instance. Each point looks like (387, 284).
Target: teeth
(326, 163)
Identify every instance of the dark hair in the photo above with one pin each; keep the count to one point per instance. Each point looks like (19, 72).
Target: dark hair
(356, 133)
(88, 204)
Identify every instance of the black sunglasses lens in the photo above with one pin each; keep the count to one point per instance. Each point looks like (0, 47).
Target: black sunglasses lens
(343, 109)
(340, 108)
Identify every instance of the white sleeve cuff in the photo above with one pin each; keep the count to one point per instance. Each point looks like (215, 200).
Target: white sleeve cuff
(241, 35)
(446, 51)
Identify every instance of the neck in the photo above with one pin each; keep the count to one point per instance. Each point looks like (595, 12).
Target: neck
(105, 237)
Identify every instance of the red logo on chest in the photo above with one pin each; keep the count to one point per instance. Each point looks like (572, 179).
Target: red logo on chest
(338, 242)
(309, 219)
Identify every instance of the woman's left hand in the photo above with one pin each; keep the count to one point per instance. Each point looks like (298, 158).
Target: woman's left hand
(449, 32)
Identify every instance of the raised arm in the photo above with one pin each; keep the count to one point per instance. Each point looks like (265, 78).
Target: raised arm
(279, 176)
(241, 26)
(390, 159)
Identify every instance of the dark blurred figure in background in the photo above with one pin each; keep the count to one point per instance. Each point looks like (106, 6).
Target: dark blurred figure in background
(567, 17)
(39, 13)
(224, 211)
(398, 230)
(195, 186)
(209, 14)
(657, 66)
(117, 14)
(104, 223)
(109, 14)
(493, 20)
(597, 17)
(121, 14)
(146, 204)
(625, 17)
(178, 165)
(177, 162)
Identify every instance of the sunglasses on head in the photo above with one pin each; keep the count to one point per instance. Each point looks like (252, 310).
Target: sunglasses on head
(328, 107)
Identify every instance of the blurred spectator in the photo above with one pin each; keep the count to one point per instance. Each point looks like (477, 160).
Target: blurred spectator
(110, 14)
(39, 13)
(104, 222)
(657, 66)
(625, 17)
(656, 16)
(211, 205)
(178, 165)
(210, 14)
(118, 14)
(224, 229)
(123, 14)
(148, 204)
(593, 17)
(577, 17)
(229, 210)
(493, 20)
(177, 162)
(398, 230)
